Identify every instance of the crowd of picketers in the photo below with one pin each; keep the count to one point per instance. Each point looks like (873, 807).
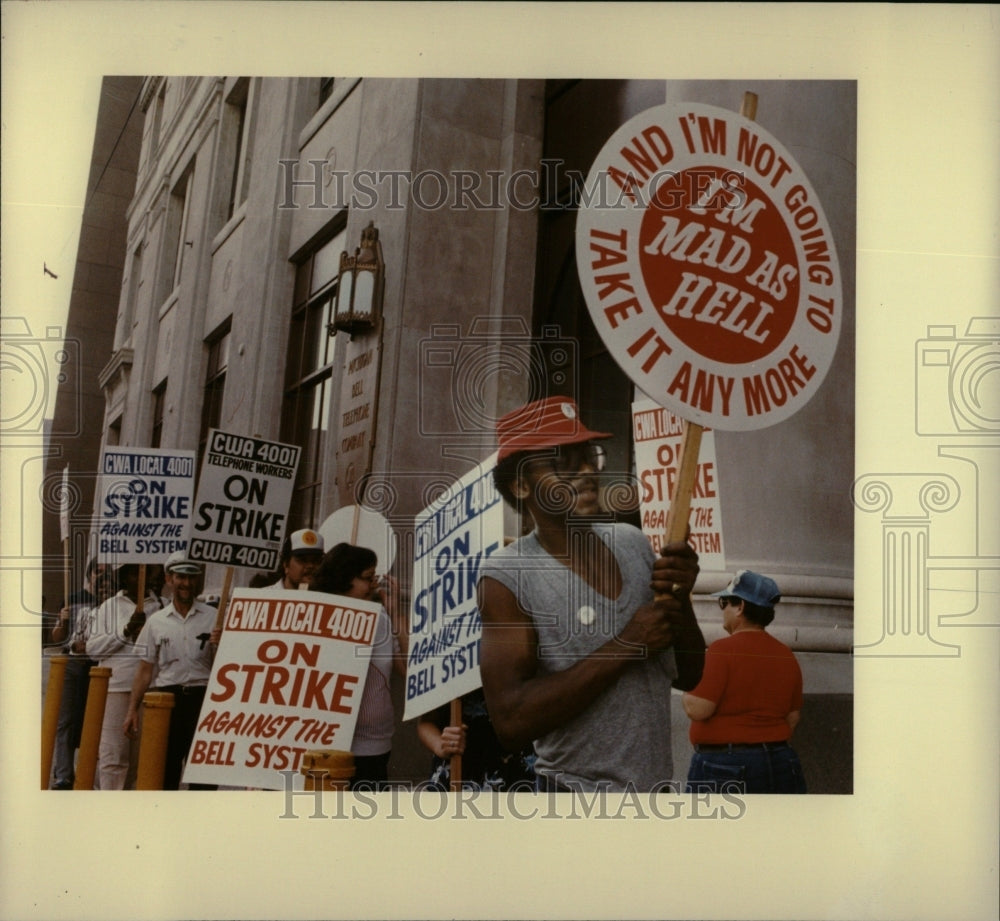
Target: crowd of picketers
(585, 631)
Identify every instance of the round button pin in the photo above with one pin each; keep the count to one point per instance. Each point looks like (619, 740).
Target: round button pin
(586, 615)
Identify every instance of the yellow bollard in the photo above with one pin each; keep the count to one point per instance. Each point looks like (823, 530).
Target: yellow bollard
(156, 707)
(50, 715)
(93, 720)
(334, 769)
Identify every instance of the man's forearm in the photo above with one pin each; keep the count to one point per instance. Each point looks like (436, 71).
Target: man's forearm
(140, 684)
(689, 650)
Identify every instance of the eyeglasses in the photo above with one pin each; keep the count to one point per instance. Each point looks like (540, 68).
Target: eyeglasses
(568, 459)
(723, 602)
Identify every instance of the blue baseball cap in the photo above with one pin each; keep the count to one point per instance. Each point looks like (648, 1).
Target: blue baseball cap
(752, 587)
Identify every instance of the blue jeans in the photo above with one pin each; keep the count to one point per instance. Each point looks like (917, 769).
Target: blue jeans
(767, 769)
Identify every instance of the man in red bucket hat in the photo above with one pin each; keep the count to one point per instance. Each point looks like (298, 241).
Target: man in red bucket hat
(576, 655)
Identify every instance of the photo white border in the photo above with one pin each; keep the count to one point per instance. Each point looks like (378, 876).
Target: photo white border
(917, 839)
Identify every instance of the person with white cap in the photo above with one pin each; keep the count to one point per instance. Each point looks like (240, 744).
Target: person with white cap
(177, 645)
(578, 653)
(301, 554)
(748, 702)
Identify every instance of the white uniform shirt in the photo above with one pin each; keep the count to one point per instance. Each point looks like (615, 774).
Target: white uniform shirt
(106, 639)
(178, 646)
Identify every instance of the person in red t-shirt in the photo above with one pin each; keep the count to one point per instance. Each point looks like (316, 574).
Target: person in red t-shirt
(749, 699)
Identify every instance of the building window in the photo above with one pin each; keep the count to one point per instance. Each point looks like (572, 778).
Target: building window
(176, 242)
(131, 297)
(309, 375)
(158, 106)
(215, 385)
(239, 105)
(159, 397)
(115, 433)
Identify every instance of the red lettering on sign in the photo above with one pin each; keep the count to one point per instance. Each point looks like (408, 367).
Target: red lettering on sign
(620, 311)
(701, 391)
(706, 269)
(659, 348)
(773, 387)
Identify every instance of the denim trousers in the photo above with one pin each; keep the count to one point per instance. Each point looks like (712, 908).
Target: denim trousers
(746, 770)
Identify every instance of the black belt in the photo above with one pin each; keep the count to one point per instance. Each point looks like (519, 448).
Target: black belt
(182, 689)
(740, 746)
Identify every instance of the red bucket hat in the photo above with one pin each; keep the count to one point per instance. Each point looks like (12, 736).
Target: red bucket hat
(542, 424)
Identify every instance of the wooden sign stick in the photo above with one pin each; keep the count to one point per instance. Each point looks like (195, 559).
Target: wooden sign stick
(455, 764)
(227, 583)
(680, 501)
(140, 602)
(66, 578)
(355, 522)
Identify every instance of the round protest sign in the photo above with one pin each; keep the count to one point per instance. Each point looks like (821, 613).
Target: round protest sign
(708, 266)
(364, 527)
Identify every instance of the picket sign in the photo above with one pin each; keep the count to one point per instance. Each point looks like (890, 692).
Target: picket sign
(253, 477)
(453, 535)
(288, 678)
(712, 277)
(144, 502)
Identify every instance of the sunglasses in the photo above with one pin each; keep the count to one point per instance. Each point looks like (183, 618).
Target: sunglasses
(723, 602)
(568, 459)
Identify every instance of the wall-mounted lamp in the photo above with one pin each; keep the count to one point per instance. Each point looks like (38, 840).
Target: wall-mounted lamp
(358, 306)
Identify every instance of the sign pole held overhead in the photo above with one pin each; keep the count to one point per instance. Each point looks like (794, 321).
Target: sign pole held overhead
(687, 471)
(680, 502)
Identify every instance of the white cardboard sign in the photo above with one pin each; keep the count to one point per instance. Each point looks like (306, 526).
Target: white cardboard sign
(287, 678)
(144, 504)
(453, 536)
(708, 266)
(244, 492)
(657, 435)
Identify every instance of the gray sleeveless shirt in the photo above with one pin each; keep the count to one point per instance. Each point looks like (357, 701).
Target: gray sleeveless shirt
(623, 738)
